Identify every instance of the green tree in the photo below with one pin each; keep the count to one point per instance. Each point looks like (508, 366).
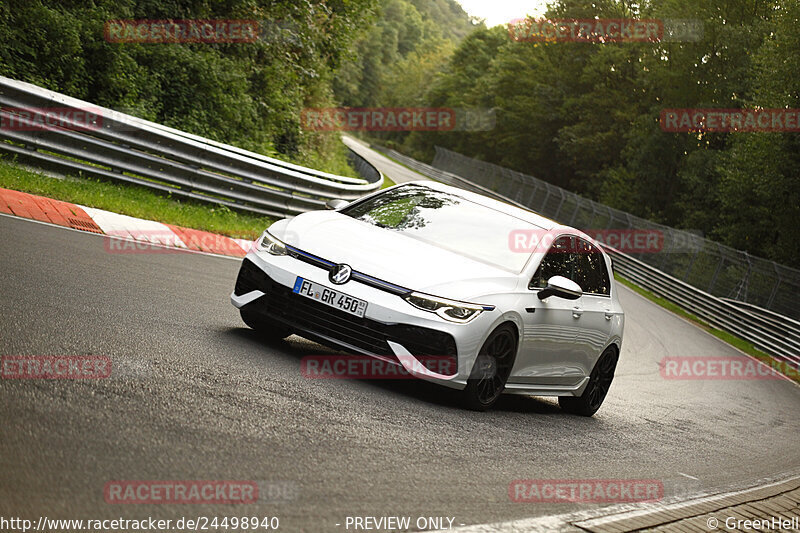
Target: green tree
(760, 185)
(247, 94)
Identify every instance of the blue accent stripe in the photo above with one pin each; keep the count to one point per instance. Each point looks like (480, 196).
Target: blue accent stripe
(369, 280)
(310, 256)
(356, 276)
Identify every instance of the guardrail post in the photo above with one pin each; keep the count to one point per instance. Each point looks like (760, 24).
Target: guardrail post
(560, 203)
(591, 220)
(575, 213)
(774, 290)
(546, 197)
(533, 194)
(667, 252)
(716, 272)
(691, 265)
(745, 281)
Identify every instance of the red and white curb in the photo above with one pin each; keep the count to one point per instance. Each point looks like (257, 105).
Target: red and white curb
(132, 229)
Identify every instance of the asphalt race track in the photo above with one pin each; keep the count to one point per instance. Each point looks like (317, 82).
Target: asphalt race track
(196, 395)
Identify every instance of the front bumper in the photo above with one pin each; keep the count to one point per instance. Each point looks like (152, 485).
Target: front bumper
(391, 329)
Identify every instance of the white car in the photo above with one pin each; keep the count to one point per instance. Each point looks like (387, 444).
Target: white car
(423, 269)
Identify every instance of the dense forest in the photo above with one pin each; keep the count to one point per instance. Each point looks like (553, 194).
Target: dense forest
(584, 116)
(250, 94)
(397, 58)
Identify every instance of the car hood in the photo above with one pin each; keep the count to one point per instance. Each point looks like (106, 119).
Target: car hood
(392, 256)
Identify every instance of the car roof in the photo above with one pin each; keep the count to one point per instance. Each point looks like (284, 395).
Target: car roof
(518, 212)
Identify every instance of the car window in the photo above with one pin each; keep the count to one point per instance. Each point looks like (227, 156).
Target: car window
(559, 261)
(447, 221)
(591, 272)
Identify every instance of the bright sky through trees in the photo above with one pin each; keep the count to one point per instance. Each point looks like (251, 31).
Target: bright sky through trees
(501, 11)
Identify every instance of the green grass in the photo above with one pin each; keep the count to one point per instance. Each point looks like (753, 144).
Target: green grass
(134, 201)
(387, 182)
(737, 342)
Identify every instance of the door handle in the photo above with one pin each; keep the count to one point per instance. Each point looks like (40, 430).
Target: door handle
(609, 316)
(577, 312)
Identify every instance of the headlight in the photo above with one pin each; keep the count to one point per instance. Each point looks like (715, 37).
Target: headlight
(451, 310)
(271, 245)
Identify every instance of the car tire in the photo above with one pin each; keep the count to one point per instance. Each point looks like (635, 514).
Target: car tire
(264, 326)
(596, 390)
(491, 369)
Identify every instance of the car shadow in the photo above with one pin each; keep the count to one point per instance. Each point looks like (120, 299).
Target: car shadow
(295, 348)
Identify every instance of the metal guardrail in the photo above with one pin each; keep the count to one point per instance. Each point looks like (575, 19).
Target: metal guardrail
(703, 263)
(770, 332)
(123, 148)
(775, 339)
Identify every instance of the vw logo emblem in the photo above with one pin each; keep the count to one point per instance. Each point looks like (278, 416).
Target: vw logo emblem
(340, 274)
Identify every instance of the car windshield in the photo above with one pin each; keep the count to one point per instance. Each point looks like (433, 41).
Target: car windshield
(447, 221)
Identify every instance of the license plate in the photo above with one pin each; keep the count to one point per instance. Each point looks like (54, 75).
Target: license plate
(330, 297)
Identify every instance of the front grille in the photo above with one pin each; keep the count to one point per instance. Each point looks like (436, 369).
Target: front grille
(279, 302)
(250, 278)
(320, 318)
